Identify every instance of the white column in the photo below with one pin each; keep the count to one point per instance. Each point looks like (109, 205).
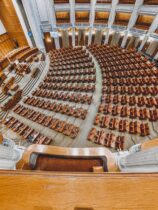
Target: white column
(73, 36)
(18, 12)
(33, 19)
(143, 161)
(112, 13)
(51, 11)
(143, 42)
(57, 45)
(91, 19)
(132, 20)
(107, 37)
(90, 36)
(72, 20)
(124, 40)
(156, 56)
(111, 18)
(53, 22)
(152, 28)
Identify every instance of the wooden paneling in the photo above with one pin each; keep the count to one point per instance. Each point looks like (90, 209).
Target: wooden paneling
(122, 18)
(60, 42)
(70, 40)
(86, 40)
(76, 40)
(144, 21)
(11, 22)
(127, 42)
(48, 41)
(79, 152)
(59, 191)
(120, 41)
(145, 46)
(110, 39)
(6, 44)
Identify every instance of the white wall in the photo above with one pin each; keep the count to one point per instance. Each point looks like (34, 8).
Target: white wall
(2, 28)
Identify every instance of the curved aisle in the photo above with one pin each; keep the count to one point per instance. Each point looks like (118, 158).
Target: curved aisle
(81, 140)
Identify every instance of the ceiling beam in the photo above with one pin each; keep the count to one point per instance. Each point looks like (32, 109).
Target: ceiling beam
(91, 20)
(132, 20)
(72, 20)
(151, 30)
(34, 22)
(53, 21)
(111, 18)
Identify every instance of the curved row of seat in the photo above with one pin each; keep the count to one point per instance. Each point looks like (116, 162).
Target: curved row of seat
(106, 139)
(140, 101)
(57, 107)
(47, 121)
(56, 95)
(26, 132)
(129, 91)
(131, 112)
(129, 81)
(130, 73)
(82, 78)
(122, 125)
(67, 87)
(132, 90)
(61, 73)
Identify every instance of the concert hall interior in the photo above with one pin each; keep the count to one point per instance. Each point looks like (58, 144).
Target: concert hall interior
(78, 104)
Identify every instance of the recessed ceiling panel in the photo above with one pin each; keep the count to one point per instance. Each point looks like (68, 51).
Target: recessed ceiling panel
(104, 1)
(62, 17)
(61, 1)
(151, 2)
(101, 17)
(127, 1)
(83, 1)
(122, 18)
(144, 21)
(82, 16)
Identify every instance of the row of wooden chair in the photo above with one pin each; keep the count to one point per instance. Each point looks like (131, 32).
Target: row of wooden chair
(83, 65)
(128, 81)
(75, 59)
(13, 100)
(26, 132)
(131, 73)
(125, 67)
(68, 87)
(48, 121)
(131, 112)
(86, 71)
(132, 127)
(131, 90)
(57, 107)
(66, 52)
(71, 79)
(23, 56)
(106, 139)
(72, 97)
(140, 101)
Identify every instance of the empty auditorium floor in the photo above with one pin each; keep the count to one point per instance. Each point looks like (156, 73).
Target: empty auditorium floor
(85, 125)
